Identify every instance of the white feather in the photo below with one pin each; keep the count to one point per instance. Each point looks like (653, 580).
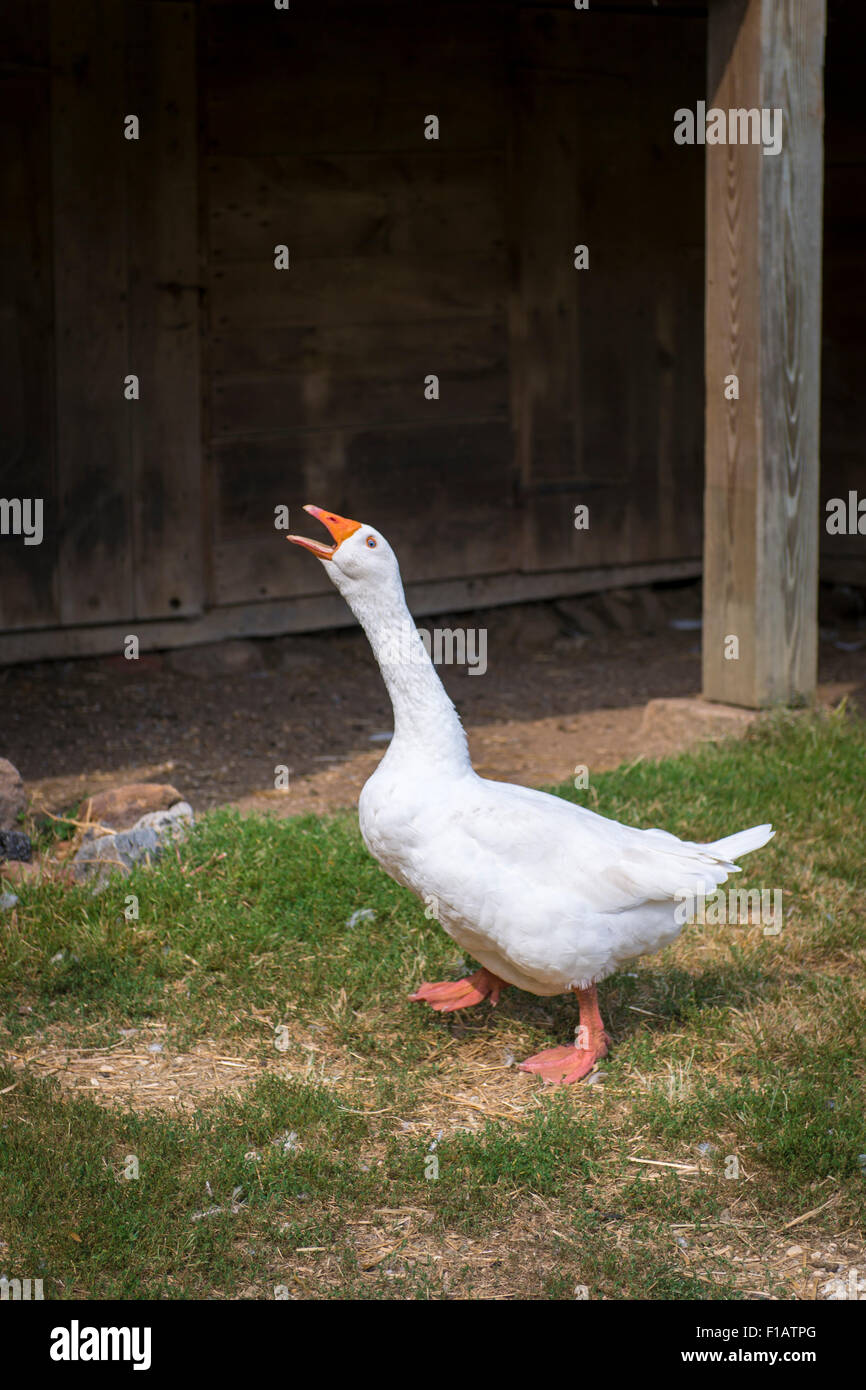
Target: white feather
(547, 895)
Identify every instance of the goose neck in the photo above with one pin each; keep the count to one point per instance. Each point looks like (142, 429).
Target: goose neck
(426, 724)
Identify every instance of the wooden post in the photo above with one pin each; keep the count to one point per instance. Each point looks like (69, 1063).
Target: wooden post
(763, 326)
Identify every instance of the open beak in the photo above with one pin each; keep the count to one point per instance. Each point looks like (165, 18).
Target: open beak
(339, 527)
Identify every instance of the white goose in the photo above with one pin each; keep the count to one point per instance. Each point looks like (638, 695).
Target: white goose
(550, 897)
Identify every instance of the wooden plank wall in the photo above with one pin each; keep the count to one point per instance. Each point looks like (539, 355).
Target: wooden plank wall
(165, 292)
(100, 262)
(28, 582)
(607, 361)
(555, 128)
(89, 155)
(398, 269)
(408, 257)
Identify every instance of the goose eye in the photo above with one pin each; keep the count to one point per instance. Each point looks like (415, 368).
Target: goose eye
(371, 541)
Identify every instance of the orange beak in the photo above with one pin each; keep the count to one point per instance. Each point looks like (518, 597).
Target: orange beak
(339, 527)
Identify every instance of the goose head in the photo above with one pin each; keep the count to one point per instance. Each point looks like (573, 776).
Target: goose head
(360, 558)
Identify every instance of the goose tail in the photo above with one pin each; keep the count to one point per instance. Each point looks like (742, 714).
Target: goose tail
(743, 842)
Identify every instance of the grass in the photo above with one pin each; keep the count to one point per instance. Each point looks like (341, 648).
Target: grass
(371, 1149)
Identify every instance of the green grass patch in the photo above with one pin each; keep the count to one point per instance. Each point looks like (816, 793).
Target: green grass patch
(730, 1044)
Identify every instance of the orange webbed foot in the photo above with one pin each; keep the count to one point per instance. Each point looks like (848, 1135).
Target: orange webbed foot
(565, 1065)
(460, 994)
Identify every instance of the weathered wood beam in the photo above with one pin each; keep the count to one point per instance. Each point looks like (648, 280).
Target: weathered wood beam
(311, 613)
(763, 326)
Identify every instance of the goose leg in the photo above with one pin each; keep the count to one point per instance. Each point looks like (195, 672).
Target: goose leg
(459, 994)
(567, 1064)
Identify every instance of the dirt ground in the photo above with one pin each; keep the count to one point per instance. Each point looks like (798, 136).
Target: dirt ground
(217, 721)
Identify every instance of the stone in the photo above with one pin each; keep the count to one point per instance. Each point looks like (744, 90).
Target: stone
(7, 901)
(100, 856)
(217, 659)
(174, 820)
(677, 723)
(19, 871)
(120, 808)
(13, 798)
(14, 844)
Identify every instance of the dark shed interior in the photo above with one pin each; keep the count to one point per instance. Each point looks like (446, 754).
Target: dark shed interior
(408, 257)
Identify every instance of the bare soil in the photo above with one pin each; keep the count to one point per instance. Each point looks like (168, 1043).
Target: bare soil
(217, 722)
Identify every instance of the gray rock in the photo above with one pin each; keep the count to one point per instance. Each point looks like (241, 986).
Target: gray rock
(97, 858)
(13, 798)
(14, 844)
(7, 901)
(173, 822)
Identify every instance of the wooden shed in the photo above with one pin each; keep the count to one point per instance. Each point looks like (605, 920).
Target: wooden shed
(334, 257)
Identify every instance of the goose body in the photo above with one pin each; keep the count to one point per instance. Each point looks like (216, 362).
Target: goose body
(548, 896)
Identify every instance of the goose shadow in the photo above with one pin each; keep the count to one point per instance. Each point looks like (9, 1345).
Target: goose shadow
(661, 998)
